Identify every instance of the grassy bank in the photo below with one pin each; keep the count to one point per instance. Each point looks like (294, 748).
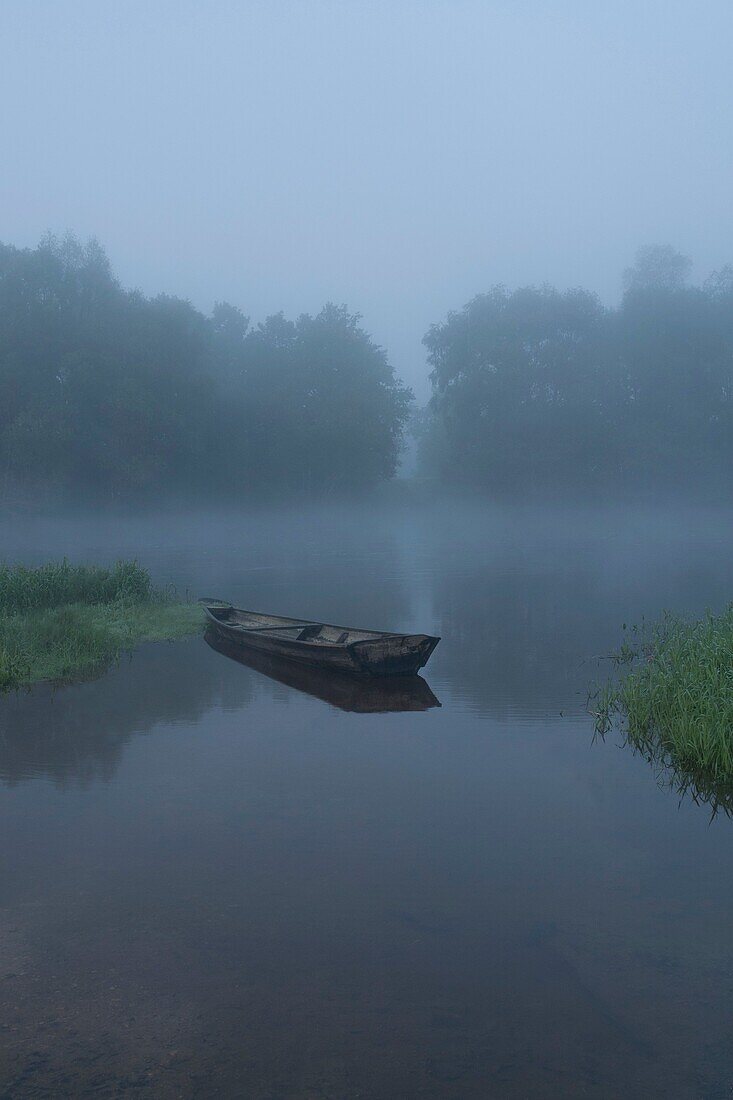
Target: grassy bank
(61, 621)
(674, 698)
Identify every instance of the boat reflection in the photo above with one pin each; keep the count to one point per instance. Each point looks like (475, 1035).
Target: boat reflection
(368, 696)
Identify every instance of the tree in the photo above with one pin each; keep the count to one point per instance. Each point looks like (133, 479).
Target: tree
(517, 379)
(542, 389)
(321, 403)
(107, 393)
(657, 267)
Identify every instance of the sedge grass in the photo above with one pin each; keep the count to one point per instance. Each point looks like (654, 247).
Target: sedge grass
(24, 589)
(674, 701)
(61, 621)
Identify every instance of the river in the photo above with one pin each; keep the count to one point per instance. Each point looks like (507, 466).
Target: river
(214, 883)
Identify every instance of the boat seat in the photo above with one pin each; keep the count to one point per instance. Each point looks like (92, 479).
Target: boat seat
(311, 631)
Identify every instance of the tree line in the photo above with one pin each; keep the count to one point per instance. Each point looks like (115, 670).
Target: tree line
(537, 389)
(106, 393)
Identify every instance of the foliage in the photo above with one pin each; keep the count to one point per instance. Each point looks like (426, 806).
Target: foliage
(657, 267)
(538, 388)
(105, 393)
(675, 702)
(24, 589)
(320, 401)
(60, 620)
(516, 377)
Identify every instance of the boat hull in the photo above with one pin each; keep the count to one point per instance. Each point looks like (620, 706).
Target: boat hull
(378, 655)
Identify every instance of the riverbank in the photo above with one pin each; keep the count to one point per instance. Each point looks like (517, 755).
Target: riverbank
(60, 621)
(675, 702)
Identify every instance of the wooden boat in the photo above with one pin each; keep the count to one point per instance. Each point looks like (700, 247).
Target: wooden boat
(340, 648)
(356, 694)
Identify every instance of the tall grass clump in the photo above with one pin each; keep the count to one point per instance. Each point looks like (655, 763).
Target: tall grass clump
(24, 589)
(673, 698)
(14, 668)
(59, 621)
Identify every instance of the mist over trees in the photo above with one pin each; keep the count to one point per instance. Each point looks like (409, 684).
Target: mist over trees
(537, 389)
(108, 394)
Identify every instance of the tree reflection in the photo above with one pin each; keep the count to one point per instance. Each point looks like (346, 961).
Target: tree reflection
(77, 734)
(528, 602)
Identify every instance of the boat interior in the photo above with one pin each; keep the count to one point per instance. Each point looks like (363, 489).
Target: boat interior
(299, 630)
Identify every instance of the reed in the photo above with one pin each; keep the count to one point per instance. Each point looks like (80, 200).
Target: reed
(24, 589)
(673, 698)
(61, 621)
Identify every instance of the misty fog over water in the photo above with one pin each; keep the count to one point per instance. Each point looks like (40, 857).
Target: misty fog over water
(415, 315)
(216, 881)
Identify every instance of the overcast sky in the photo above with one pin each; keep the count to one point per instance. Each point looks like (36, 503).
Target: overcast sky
(398, 156)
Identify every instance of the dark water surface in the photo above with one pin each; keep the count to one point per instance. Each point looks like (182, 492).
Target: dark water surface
(215, 884)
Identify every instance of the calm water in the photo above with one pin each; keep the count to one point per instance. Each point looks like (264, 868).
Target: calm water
(214, 884)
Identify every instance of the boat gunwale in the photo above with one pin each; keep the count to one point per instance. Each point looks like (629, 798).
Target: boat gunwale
(316, 646)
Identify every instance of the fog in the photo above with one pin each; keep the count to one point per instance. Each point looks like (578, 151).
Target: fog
(216, 882)
(398, 157)
(415, 315)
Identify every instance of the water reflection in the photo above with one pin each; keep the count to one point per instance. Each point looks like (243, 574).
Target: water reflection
(238, 890)
(695, 786)
(527, 602)
(75, 735)
(378, 696)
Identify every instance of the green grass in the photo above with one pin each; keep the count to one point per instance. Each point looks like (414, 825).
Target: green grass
(674, 702)
(61, 621)
(25, 589)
